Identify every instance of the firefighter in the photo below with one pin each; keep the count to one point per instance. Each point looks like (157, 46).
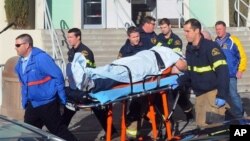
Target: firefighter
(207, 75)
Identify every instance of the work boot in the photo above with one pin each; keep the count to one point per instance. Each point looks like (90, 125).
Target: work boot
(131, 130)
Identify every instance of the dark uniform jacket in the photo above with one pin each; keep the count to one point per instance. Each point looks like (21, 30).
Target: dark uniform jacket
(86, 52)
(173, 42)
(128, 50)
(207, 68)
(71, 53)
(149, 39)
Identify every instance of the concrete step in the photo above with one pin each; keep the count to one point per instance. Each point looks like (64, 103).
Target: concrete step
(243, 88)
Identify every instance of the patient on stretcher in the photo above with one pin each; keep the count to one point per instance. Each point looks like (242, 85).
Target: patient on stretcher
(127, 70)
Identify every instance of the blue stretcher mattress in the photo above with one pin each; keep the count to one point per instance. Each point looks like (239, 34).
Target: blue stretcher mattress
(116, 93)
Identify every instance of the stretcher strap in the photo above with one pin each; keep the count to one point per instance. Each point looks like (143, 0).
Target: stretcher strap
(159, 60)
(129, 75)
(158, 77)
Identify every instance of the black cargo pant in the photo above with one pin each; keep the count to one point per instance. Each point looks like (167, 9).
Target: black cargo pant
(76, 96)
(48, 115)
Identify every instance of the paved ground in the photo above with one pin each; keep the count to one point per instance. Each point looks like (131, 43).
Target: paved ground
(86, 127)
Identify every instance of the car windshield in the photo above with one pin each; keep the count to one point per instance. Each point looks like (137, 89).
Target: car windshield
(13, 130)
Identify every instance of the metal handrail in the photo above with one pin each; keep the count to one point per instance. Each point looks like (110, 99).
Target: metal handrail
(237, 5)
(119, 6)
(57, 53)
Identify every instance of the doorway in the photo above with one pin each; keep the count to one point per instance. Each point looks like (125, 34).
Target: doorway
(142, 8)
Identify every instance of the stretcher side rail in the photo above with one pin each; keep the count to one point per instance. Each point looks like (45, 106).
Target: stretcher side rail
(132, 95)
(156, 84)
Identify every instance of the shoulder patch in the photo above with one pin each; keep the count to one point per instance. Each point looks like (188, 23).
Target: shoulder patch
(153, 40)
(85, 53)
(215, 52)
(177, 42)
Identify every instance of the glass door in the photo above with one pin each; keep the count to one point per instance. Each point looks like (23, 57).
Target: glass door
(93, 13)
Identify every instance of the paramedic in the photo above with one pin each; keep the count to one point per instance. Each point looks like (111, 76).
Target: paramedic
(207, 75)
(133, 44)
(147, 34)
(74, 39)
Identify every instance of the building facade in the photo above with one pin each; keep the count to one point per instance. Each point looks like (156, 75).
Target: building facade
(87, 14)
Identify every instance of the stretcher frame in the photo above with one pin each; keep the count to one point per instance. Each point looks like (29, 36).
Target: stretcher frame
(151, 112)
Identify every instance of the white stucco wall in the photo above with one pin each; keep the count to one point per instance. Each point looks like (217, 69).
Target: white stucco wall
(3, 22)
(7, 42)
(123, 9)
(77, 22)
(39, 14)
(222, 11)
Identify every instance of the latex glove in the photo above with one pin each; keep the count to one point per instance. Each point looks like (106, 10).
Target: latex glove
(220, 102)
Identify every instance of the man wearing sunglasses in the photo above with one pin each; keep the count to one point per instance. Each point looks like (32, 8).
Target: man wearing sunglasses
(42, 87)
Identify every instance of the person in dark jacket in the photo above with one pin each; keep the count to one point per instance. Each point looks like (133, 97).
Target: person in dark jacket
(74, 39)
(42, 87)
(207, 75)
(133, 44)
(167, 38)
(147, 33)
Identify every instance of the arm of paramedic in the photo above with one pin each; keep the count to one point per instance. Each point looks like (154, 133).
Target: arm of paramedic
(219, 65)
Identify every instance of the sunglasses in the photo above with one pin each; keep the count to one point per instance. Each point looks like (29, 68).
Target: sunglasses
(18, 45)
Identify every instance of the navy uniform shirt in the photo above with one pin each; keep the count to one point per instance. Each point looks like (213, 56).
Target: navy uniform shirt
(174, 42)
(128, 50)
(149, 39)
(88, 54)
(207, 68)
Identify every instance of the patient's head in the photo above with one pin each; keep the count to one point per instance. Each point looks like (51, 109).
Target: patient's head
(180, 66)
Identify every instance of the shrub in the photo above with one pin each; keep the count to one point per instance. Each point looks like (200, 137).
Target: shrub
(17, 11)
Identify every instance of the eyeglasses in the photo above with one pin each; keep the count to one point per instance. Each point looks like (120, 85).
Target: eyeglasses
(18, 45)
(153, 24)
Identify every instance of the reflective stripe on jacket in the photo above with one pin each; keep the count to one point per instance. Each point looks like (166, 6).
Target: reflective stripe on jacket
(42, 80)
(207, 68)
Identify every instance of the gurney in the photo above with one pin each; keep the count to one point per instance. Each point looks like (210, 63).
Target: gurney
(151, 84)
